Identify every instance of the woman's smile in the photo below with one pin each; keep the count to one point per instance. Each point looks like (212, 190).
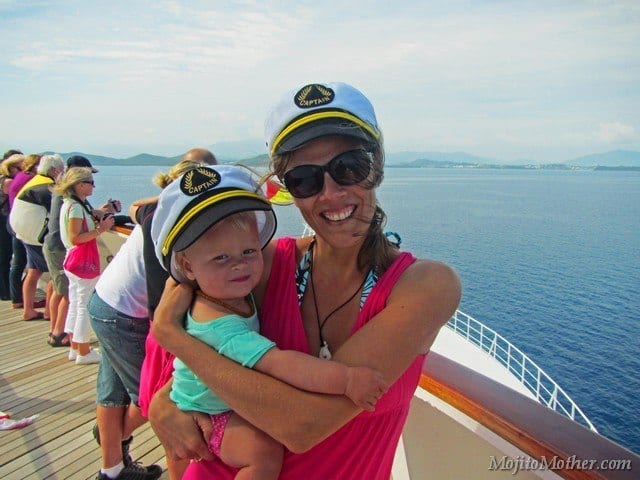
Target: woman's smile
(337, 215)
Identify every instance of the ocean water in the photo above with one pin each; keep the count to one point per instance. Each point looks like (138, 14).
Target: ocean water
(549, 259)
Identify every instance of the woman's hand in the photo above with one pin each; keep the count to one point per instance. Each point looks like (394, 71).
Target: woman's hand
(184, 435)
(106, 222)
(167, 326)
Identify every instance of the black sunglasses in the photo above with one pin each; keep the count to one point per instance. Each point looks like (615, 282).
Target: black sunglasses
(90, 182)
(348, 168)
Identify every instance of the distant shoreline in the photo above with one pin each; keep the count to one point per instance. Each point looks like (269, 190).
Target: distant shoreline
(434, 165)
(621, 160)
(523, 167)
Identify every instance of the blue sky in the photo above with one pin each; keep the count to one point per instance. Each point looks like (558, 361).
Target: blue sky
(540, 80)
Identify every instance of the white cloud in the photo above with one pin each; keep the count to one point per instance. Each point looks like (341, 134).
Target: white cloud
(616, 132)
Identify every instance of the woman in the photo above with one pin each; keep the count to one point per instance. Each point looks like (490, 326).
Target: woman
(10, 166)
(120, 316)
(77, 226)
(19, 259)
(326, 147)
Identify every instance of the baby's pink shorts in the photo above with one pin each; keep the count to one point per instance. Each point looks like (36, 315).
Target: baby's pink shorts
(219, 422)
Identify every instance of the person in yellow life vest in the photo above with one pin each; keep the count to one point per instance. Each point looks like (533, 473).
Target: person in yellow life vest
(28, 219)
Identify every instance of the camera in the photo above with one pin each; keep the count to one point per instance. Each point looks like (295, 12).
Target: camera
(114, 204)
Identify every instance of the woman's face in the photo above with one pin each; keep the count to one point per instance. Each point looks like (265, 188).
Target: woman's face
(84, 188)
(340, 214)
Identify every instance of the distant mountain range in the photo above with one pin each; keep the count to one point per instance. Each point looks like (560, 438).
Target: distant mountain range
(245, 153)
(615, 159)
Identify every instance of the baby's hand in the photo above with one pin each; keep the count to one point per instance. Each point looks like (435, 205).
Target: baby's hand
(365, 386)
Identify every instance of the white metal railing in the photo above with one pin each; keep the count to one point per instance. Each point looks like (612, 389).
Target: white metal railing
(536, 380)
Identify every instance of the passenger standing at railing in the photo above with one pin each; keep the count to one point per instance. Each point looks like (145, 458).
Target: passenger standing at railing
(77, 226)
(29, 220)
(54, 253)
(120, 311)
(19, 259)
(347, 294)
(10, 166)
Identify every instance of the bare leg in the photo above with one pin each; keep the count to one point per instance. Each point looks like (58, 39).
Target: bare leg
(83, 348)
(256, 454)
(115, 425)
(110, 423)
(47, 300)
(53, 305)
(29, 286)
(132, 420)
(61, 316)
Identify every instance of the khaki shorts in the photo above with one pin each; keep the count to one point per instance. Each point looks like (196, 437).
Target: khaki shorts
(54, 259)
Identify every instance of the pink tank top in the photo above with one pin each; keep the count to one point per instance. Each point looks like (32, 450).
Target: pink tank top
(364, 447)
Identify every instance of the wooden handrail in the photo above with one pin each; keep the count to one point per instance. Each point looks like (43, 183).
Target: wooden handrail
(123, 229)
(531, 427)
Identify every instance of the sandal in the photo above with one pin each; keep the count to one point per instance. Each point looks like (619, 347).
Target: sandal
(61, 340)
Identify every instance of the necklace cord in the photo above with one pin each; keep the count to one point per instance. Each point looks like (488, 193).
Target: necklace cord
(315, 300)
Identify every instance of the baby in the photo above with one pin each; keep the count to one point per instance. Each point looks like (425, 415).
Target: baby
(209, 229)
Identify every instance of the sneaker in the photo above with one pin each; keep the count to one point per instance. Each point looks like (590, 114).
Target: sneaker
(152, 471)
(92, 357)
(135, 472)
(73, 354)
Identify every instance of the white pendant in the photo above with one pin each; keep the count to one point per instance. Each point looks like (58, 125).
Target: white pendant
(324, 351)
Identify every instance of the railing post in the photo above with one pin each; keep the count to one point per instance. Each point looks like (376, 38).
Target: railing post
(492, 350)
(554, 397)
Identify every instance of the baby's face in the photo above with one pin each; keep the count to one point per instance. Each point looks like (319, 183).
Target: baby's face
(226, 261)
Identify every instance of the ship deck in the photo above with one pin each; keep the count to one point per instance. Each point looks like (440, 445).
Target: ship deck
(36, 379)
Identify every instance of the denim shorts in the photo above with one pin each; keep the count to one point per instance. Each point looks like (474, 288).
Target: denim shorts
(35, 258)
(122, 346)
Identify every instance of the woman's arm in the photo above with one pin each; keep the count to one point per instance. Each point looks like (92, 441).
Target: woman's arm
(76, 226)
(421, 302)
(146, 200)
(362, 385)
(136, 205)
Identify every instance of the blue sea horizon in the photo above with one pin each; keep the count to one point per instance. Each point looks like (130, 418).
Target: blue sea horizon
(549, 259)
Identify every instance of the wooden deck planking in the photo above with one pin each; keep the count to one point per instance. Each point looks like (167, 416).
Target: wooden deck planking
(38, 379)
